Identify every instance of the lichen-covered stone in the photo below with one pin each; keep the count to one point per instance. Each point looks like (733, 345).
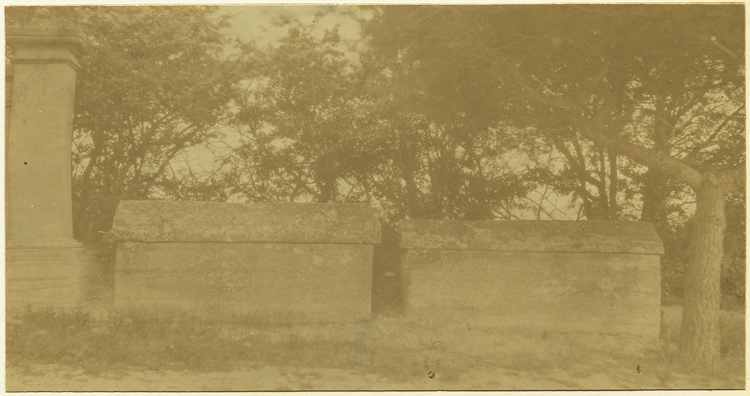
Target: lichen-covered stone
(48, 277)
(531, 236)
(595, 280)
(170, 221)
(264, 283)
(593, 293)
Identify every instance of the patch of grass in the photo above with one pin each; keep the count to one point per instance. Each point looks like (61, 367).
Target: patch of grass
(121, 342)
(124, 342)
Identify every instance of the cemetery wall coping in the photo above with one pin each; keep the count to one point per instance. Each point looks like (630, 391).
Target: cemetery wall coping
(531, 236)
(173, 221)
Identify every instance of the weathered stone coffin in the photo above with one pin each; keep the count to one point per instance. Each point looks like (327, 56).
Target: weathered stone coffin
(250, 263)
(533, 277)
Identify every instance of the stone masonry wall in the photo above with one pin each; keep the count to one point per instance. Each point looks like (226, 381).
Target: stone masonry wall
(249, 263)
(534, 278)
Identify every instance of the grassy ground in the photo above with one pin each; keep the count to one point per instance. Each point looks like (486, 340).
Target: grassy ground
(48, 351)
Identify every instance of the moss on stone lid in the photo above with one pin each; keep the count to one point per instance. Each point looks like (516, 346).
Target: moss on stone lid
(172, 221)
(531, 236)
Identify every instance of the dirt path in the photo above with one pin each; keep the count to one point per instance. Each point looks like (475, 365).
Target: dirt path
(255, 378)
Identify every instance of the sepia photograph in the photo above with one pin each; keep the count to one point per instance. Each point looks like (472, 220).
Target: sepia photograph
(372, 197)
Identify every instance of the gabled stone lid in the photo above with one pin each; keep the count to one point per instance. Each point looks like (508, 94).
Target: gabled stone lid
(531, 236)
(172, 221)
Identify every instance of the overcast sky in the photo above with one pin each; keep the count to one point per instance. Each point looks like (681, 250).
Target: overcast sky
(261, 23)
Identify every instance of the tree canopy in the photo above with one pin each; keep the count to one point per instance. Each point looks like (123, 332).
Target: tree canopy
(661, 86)
(324, 127)
(154, 82)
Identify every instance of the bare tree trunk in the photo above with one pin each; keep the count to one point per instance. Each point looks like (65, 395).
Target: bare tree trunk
(602, 187)
(654, 197)
(412, 196)
(700, 337)
(327, 189)
(588, 208)
(612, 185)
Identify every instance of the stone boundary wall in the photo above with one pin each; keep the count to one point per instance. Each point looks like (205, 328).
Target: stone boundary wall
(246, 263)
(587, 279)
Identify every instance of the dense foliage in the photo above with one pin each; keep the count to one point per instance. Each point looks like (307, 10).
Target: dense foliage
(155, 81)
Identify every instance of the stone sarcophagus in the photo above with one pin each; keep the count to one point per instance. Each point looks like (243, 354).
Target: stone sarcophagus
(249, 263)
(533, 277)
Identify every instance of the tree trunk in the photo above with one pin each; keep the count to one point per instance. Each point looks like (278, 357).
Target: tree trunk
(327, 189)
(700, 337)
(603, 198)
(612, 185)
(588, 208)
(654, 197)
(413, 208)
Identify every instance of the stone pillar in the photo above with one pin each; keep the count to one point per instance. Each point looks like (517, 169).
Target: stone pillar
(44, 263)
(40, 136)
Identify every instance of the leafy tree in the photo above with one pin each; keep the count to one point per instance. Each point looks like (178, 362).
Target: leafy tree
(319, 125)
(661, 86)
(155, 82)
(305, 127)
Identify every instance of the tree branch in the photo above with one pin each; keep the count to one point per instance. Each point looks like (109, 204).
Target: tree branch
(662, 162)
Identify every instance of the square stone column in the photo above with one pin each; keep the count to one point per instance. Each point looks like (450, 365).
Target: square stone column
(44, 264)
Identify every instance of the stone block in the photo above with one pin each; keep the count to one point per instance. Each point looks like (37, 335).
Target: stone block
(590, 279)
(555, 292)
(48, 277)
(246, 263)
(247, 282)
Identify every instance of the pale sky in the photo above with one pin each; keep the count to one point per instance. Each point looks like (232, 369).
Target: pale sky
(261, 23)
(264, 24)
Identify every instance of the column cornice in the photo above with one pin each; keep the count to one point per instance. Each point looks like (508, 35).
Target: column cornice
(45, 45)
